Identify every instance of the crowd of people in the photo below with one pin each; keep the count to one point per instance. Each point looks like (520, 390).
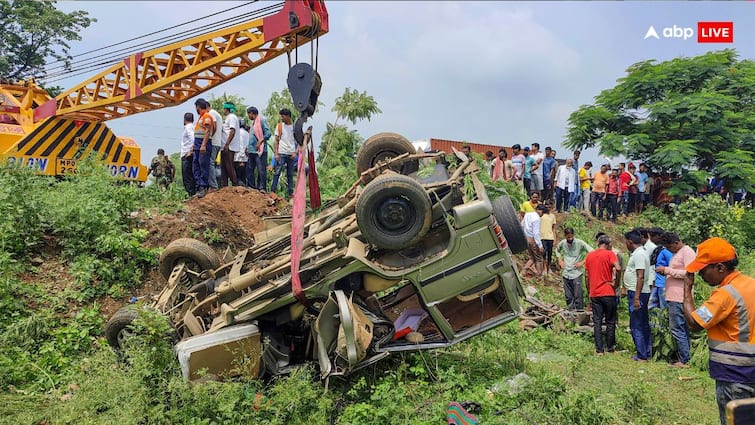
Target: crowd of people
(217, 152)
(658, 273)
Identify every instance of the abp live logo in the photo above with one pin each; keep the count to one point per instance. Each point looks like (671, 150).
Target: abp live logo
(715, 32)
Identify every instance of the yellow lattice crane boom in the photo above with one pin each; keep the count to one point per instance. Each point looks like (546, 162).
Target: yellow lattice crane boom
(50, 134)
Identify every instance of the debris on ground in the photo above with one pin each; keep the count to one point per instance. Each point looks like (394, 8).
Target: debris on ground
(542, 314)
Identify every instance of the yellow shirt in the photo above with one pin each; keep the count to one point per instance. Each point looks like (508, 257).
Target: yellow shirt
(547, 223)
(584, 184)
(527, 207)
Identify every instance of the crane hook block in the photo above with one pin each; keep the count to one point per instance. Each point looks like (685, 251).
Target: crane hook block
(304, 84)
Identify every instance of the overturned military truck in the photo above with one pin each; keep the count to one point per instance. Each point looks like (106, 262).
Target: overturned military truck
(400, 262)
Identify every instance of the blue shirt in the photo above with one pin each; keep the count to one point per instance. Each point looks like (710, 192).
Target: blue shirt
(528, 163)
(642, 179)
(664, 259)
(266, 134)
(548, 164)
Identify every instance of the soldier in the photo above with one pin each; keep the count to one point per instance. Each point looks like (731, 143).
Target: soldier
(162, 169)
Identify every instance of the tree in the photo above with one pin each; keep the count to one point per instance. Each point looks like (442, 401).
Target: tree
(352, 106)
(217, 103)
(686, 116)
(277, 102)
(34, 32)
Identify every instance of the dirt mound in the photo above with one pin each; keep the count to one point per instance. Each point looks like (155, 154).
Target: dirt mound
(228, 217)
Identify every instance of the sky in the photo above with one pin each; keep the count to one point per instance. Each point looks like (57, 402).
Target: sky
(488, 72)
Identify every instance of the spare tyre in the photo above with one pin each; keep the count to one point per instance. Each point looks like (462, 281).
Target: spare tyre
(393, 212)
(384, 146)
(198, 256)
(506, 216)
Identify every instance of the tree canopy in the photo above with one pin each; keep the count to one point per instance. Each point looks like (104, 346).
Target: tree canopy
(687, 116)
(35, 32)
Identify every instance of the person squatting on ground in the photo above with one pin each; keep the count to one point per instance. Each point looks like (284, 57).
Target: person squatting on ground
(285, 149)
(571, 253)
(675, 274)
(230, 144)
(637, 283)
(187, 148)
(660, 257)
(548, 236)
(602, 270)
(202, 147)
(531, 226)
(729, 317)
(258, 138)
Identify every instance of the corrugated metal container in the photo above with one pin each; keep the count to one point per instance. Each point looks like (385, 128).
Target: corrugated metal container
(445, 145)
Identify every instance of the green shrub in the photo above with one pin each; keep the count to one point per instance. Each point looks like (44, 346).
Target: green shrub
(698, 219)
(20, 221)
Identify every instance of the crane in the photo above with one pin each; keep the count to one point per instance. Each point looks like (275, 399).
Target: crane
(50, 134)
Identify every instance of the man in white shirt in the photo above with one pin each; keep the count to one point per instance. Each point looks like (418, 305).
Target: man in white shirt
(241, 159)
(217, 141)
(285, 150)
(187, 148)
(536, 184)
(531, 227)
(230, 139)
(565, 180)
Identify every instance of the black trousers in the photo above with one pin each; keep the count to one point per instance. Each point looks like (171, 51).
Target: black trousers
(188, 175)
(612, 205)
(548, 252)
(604, 308)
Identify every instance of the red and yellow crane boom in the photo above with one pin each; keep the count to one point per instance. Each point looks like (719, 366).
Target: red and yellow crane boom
(49, 134)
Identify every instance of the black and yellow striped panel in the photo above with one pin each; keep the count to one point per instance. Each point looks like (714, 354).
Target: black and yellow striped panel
(60, 138)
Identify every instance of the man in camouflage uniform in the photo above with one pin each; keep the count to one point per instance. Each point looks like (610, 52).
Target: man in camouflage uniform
(162, 170)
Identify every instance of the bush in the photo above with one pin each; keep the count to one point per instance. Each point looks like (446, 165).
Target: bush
(698, 219)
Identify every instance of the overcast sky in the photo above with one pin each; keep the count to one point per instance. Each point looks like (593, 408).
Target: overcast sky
(488, 72)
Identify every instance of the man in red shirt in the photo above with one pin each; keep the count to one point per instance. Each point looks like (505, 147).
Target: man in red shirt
(626, 179)
(613, 194)
(602, 283)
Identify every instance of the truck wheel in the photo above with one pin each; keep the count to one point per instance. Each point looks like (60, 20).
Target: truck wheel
(393, 212)
(198, 256)
(506, 217)
(118, 328)
(383, 146)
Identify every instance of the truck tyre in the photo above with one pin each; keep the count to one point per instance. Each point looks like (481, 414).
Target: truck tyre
(506, 216)
(197, 255)
(393, 212)
(383, 146)
(117, 329)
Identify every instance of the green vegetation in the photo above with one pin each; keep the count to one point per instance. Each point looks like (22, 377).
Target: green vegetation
(688, 116)
(69, 246)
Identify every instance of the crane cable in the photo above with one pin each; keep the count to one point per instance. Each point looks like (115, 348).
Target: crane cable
(154, 32)
(115, 57)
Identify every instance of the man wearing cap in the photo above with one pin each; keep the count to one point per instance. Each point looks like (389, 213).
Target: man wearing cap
(602, 272)
(729, 317)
